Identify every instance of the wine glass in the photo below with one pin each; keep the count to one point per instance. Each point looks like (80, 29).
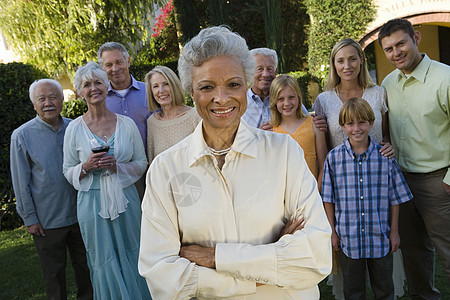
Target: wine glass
(98, 147)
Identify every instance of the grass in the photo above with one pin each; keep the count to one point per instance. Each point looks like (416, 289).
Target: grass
(21, 274)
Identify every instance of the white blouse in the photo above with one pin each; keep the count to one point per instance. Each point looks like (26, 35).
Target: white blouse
(240, 210)
(129, 153)
(328, 105)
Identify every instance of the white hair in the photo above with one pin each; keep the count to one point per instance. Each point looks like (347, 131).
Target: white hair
(209, 43)
(266, 52)
(35, 84)
(87, 72)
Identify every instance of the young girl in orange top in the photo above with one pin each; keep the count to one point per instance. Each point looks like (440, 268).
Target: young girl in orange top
(288, 118)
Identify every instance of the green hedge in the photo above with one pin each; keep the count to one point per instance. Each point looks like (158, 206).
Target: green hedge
(140, 70)
(304, 79)
(15, 109)
(72, 109)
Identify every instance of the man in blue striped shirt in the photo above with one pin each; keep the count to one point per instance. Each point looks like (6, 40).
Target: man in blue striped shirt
(362, 190)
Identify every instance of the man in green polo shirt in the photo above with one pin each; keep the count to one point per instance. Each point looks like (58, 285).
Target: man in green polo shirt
(419, 120)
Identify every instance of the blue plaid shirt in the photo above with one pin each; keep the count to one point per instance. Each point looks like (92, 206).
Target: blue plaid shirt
(362, 188)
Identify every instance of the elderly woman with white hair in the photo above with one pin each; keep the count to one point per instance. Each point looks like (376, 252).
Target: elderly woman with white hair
(231, 211)
(103, 157)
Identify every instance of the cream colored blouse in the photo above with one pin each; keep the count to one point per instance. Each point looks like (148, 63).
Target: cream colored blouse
(240, 210)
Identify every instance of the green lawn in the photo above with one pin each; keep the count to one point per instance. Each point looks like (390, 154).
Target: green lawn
(21, 276)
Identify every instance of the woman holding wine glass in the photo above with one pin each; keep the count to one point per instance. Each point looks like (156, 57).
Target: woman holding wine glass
(103, 157)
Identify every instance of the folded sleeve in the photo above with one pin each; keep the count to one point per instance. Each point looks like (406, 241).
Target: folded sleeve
(72, 164)
(297, 261)
(168, 275)
(131, 160)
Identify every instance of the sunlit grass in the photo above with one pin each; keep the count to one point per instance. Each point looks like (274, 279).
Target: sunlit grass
(21, 275)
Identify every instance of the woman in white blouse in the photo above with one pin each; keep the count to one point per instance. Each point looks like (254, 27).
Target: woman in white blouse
(231, 211)
(172, 120)
(348, 78)
(103, 157)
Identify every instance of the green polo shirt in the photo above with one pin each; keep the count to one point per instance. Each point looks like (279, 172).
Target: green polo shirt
(419, 117)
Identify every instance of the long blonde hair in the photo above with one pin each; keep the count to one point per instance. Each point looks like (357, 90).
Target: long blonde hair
(174, 84)
(277, 85)
(333, 78)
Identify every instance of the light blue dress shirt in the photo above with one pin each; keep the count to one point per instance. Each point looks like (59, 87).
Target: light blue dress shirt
(43, 195)
(132, 104)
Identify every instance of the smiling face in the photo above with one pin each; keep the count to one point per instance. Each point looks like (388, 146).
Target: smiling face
(357, 131)
(160, 89)
(219, 91)
(117, 68)
(93, 90)
(48, 102)
(264, 75)
(287, 103)
(402, 51)
(348, 63)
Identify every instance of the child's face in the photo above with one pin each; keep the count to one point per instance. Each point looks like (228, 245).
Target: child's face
(287, 102)
(357, 131)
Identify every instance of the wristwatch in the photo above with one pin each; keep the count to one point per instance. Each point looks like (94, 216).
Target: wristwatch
(84, 171)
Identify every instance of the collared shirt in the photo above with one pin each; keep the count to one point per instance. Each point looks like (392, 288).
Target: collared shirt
(419, 117)
(258, 111)
(133, 104)
(362, 188)
(43, 194)
(240, 210)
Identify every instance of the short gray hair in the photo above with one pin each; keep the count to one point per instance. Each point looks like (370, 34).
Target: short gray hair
(35, 84)
(109, 47)
(209, 43)
(266, 52)
(87, 72)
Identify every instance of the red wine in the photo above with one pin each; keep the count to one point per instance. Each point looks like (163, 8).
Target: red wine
(104, 148)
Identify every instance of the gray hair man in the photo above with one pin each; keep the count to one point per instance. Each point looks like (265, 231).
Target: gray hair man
(258, 104)
(46, 202)
(126, 96)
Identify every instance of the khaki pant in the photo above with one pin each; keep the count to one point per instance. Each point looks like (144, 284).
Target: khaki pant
(424, 223)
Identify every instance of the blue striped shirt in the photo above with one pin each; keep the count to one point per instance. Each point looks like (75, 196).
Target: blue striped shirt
(362, 188)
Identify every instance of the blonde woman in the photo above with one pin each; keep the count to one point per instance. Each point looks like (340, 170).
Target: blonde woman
(172, 120)
(348, 78)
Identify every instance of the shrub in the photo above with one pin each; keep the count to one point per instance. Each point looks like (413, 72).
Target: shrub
(331, 22)
(15, 109)
(304, 79)
(72, 109)
(140, 70)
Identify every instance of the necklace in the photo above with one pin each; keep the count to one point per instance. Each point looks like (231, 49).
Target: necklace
(219, 152)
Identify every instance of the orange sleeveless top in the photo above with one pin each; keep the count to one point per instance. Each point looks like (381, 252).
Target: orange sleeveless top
(304, 136)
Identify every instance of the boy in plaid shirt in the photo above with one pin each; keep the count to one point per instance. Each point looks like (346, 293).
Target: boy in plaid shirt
(361, 191)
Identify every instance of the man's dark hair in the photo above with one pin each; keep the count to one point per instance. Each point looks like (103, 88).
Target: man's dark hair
(393, 25)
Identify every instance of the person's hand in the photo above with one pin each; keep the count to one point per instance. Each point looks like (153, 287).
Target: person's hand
(202, 256)
(387, 150)
(446, 187)
(92, 162)
(293, 225)
(266, 126)
(320, 123)
(335, 241)
(36, 229)
(107, 162)
(394, 239)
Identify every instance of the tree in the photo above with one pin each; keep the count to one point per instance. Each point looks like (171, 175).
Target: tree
(59, 35)
(332, 21)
